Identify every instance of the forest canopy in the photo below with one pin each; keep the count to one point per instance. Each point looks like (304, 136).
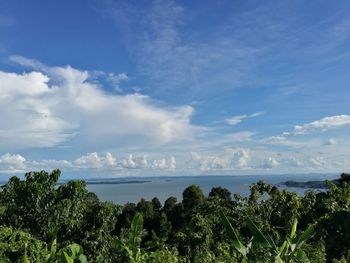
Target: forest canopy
(43, 221)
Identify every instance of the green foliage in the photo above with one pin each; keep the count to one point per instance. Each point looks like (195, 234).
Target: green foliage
(336, 227)
(270, 225)
(287, 252)
(192, 197)
(221, 193)
(133, 244)
(73, 253)
(37, 205)
(98, 226)
(16, 244)
(234, 237)
(162, 256)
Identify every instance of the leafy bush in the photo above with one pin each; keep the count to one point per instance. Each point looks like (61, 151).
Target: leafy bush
(219, 228)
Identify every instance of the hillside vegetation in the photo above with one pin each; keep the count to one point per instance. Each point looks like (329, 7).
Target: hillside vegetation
(43, 222)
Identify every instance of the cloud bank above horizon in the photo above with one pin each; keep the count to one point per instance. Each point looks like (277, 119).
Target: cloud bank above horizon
(152, 89)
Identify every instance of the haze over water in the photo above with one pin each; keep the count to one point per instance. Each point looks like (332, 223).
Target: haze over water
(174, 186)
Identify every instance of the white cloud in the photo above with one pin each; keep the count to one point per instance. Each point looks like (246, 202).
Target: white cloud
(295, 162)
(170, 59)
(317, 162)
(90, 160)
(165, 164)
(115, 79)
(109, 162)
(209, 163)
(234, 120)
(239, 136)
(332, 141)
(281, 140)
(12, 162)
(30, 63)
(327, 123)
(44, 109)
(13, 159)
(234, 159)
(135, 162)
(241, 158)
(270, 163)
(324, 124)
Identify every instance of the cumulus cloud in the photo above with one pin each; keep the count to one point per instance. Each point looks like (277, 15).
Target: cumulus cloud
(270, 163)
(241, 158)
(108, 161)
(95, 161)
(113, 79)
(135, 162)
(236, 159)
(165, 164)
(50, 105)
(90, 160)
(12, 162)
(208, 163)
(27, 117)
(317, 162)
(295, 162)
(234, 120)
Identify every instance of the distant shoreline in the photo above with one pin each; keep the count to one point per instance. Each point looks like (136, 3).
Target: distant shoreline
(114, 182)
(318, 184)
(308, 184)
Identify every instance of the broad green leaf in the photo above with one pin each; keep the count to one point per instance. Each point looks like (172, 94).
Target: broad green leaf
(66, 258)
(82, 259)
(294, 228)
(75, 249)
(258, 235)
(135, 234)
(53, 249)
(236, 242)
(283, 247)
(278, 259)
(305, 235)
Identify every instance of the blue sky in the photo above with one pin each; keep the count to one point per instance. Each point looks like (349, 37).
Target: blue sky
(119, 88)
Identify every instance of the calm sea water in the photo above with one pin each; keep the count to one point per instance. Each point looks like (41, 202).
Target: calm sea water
(174, 186)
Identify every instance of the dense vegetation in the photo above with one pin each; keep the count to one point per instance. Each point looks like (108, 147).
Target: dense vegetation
(41, 221)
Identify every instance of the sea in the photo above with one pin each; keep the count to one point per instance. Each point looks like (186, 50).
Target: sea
(124, 190)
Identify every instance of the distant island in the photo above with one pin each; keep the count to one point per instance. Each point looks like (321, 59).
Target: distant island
(317, 184)
(110, 181)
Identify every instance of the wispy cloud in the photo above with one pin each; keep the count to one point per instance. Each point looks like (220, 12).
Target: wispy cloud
(322, 125)
(171, 59)
(234, 120)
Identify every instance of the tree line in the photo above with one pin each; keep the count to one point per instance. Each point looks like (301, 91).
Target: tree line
(41, 221)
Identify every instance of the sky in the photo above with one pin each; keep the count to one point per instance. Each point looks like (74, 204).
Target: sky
(115, 88)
